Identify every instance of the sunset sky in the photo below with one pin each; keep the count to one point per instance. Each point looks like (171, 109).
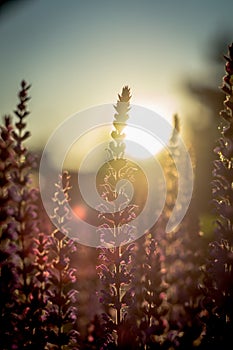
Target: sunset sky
(78, 54)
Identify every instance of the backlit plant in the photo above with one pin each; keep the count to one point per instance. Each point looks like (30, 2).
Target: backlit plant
(115, 260)
(61, 313)
(218, 286)
(19, 232)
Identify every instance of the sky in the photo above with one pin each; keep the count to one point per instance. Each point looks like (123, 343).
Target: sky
(79, 54)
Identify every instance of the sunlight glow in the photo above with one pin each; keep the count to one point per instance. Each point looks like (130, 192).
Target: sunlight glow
(141, 144)
(164, 106)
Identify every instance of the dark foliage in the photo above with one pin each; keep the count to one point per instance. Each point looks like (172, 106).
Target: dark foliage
(218, 287)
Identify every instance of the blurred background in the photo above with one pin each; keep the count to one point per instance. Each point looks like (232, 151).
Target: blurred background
(79, 54)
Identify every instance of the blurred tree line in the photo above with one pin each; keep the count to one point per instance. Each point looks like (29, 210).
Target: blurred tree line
(203, 128)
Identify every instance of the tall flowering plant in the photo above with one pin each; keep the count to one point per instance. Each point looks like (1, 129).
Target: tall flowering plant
(218, 287)
(61, 311)
(21, 314)
(115, 269)
(181, 252)
(8, 236)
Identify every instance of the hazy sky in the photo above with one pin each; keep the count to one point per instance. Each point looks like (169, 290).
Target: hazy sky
(77, 54)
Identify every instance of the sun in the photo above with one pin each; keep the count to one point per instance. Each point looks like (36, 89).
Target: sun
(141, 144)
